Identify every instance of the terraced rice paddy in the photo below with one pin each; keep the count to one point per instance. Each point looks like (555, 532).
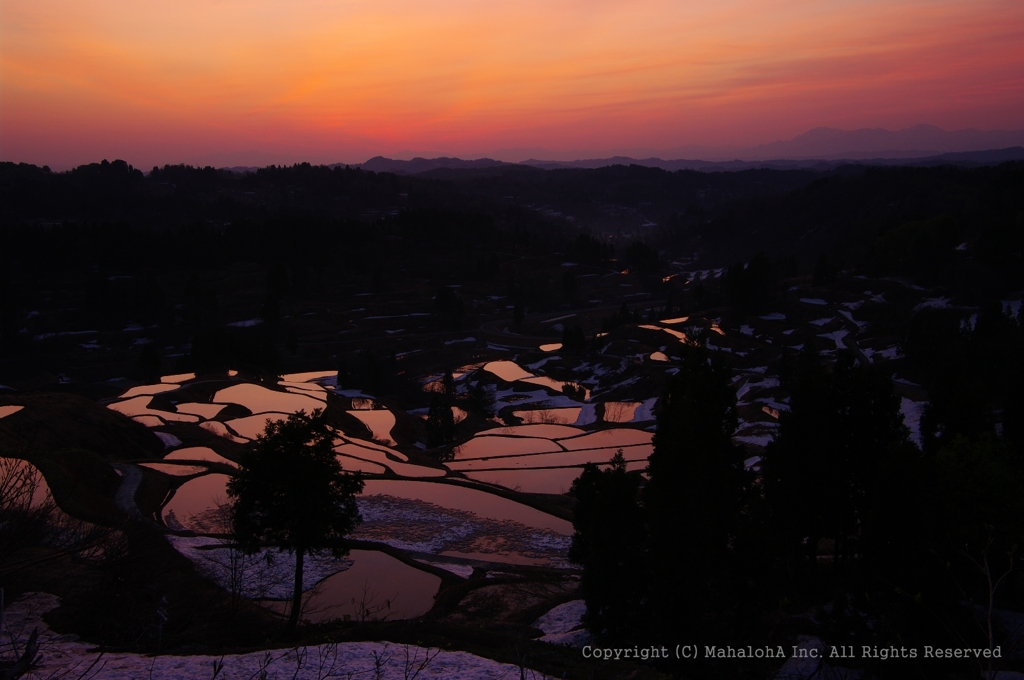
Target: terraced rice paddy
(375, 586)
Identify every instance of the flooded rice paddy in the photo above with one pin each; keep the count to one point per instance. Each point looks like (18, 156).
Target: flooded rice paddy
(620, 411)
(220, 429)
(259, 399)
(199, 453)
(426, 529)
(175, 469)
(379, 422)
(207, 411)
(9, 410)
(194, 504)
(475, 501)
(21, 483)
(383, 459)
(406, 504)
(250, 427)
(376, 586)
(149, 390)
(540, 480)
(134, 407)
(560, 416)
(178, 378)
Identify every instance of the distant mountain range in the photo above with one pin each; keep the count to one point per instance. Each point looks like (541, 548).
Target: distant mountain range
(821, 148)
(966, 158)
(914, 142)
(418, 166)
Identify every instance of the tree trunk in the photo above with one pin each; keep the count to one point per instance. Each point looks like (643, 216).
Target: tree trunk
(293, 620)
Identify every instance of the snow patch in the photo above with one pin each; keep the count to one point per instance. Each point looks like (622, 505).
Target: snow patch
(912, 412)
(168, 439)
(837, 337)
(64, 655)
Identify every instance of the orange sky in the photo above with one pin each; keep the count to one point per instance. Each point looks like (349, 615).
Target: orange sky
(258, 81)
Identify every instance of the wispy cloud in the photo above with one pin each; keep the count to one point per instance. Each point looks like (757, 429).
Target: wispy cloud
(163, 82)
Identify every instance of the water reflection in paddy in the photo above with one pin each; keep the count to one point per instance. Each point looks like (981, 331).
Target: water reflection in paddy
(509, 371)
(252, 426)
(194, 500)
(199, 453)
(174, 469)
(307, 376)
(18, 479)
(477, 502)
(670, 331)
(9, 410)
(202, 410)
(552, 384)
(221, 430)
(311, 389)
(374, 445)
(620, 411)
(379, 421)
(479, 447)
(259, 399)
(551, 480)
(553, 416)
(349, 464)
(377, 456)
(559, 459)
(148, 421)
(513, 461)
(376, 586)
(178, 378)
(621, 436)
(139, 406)
(149, 390)
(506, 557)
(548, 431)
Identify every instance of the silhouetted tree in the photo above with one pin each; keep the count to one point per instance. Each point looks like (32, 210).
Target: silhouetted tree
(624, 316)
(841, 465)
(570, 288)
(342, 376)
(149, 363)
(440, 422)
(750, 288)
(978, 512)
(440, 418)
(518, 314)
(610, 544)
(693, 500)
(291, 492)
(824, 271)
(574, 390)
(448, 305)
(479, 400)
(573, 339)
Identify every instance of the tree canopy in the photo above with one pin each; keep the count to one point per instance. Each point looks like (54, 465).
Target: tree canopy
(291, 492)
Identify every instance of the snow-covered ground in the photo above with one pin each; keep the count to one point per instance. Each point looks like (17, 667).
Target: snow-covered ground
(912, 412)
(803, 665)
(268, 574)
(66, 656)
(563, 625)
(423, 527)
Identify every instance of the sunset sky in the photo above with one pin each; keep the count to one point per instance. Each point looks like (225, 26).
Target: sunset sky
(236, 82)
